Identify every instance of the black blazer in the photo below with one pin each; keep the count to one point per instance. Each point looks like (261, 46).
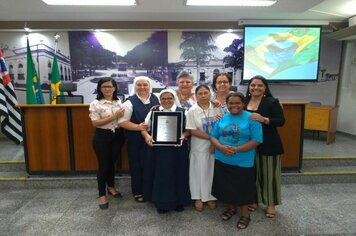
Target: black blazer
(270, 107)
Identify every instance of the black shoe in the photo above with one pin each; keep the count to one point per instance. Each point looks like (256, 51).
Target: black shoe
(179, 208)
(139, 198)
(161, 211)
(104, 206)
(116, 195)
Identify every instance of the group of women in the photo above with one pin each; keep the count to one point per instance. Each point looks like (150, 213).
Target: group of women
(223, 133)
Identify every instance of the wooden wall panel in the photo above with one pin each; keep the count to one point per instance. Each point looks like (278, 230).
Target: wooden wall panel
(47, 139)
(85, 159)
(291, 135)
(83, 131)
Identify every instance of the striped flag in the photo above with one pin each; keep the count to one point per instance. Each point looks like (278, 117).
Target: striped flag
(10, 115)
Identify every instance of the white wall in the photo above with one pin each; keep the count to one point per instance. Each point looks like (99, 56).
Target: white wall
(324, 92)
(346, 120)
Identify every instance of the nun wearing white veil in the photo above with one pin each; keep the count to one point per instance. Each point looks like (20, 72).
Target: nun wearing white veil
(137, 107)
(170, 176)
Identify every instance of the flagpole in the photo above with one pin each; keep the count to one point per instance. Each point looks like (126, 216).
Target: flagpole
(55, 76)
(56, 37)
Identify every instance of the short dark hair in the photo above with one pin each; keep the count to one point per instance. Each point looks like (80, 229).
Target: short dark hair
(215, 78)
(201, 86)
(264, 81)
(100, 95)
(235, 94)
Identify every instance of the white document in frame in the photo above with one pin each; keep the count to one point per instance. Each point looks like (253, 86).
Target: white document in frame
(167, 128)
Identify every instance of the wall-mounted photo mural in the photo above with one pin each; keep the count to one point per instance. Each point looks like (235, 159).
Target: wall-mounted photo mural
(42, 46)
(159, 55)
(84, 57)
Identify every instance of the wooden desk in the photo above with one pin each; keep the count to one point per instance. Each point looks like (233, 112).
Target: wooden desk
(321, 118)
(58, 138)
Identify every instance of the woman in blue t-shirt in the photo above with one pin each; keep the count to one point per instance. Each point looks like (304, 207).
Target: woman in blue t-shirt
(235, 138)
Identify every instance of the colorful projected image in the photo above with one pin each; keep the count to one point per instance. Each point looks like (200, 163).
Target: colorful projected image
(282, 53)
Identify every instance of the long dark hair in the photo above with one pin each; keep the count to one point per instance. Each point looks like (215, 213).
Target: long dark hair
(100, 95)
(215, 78)
(264, 81)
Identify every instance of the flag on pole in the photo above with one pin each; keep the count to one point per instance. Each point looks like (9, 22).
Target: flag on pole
(55, 81)
(10, 115)
(33, 85)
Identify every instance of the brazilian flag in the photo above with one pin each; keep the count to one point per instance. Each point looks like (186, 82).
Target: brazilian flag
(275, 52)
(33, 85)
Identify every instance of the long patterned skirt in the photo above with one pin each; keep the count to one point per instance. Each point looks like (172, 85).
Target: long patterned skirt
(268, 179)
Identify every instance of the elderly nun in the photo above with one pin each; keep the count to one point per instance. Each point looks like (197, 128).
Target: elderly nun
(137, 106)
(170, 178)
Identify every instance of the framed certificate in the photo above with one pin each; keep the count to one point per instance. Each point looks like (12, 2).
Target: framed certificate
(166, 128)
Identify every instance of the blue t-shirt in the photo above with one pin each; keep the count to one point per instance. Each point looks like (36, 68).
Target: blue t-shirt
(235, 130)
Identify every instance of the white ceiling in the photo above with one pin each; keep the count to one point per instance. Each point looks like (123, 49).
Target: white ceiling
(175, 10)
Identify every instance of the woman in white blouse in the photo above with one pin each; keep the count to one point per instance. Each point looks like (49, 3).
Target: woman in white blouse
(104, 113)
(200, 121)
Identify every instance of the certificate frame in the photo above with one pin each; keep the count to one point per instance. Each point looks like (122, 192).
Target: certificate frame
(167, 128)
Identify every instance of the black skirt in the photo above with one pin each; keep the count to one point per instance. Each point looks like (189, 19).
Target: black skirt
(234, 184)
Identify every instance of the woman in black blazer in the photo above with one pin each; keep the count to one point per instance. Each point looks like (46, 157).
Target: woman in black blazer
(267, 110)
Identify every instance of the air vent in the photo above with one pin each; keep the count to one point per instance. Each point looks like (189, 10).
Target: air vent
(348, 33)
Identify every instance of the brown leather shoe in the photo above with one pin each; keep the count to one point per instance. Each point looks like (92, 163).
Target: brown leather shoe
(199, 205)
(212, 204)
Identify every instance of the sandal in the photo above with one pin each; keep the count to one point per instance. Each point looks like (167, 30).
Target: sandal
(212, 204)
(226, 215)
(270, 215)
(252, 208)
(199, 205)
(103, 203)
(243, 222)
(114, 192)
(138, 198)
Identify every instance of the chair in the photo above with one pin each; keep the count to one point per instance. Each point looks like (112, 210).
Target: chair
(233, 88)
(121, 96)
(67, 99)
(70, 98)
(157, 90)
(68, 87)
(315, 131)
(315, 103)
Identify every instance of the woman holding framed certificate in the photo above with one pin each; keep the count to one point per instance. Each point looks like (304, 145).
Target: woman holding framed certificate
(137, 107)
(169, 152)
(235, 138)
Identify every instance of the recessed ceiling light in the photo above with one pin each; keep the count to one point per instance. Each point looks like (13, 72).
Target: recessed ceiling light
(230, 2)
(91, 2)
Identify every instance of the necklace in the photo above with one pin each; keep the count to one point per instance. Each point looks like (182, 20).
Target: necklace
(207, 126)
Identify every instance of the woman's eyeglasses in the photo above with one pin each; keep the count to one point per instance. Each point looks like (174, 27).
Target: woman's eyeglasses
(166, 99)
(222, 82)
